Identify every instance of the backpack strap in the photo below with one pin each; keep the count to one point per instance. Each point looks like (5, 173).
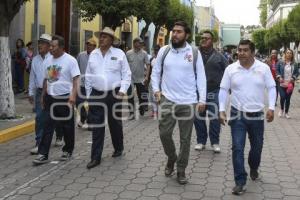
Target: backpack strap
(163, 59)
(195, 58)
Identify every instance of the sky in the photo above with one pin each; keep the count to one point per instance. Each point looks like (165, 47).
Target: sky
(244, 12)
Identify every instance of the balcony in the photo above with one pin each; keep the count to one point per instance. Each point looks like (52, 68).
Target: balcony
(275, 3)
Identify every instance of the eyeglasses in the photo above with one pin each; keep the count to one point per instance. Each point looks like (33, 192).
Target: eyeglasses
(205, 38)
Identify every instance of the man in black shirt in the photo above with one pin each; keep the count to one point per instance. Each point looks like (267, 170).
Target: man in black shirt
(215, 64)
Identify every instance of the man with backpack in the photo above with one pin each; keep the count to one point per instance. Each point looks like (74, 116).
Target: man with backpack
(176, 77)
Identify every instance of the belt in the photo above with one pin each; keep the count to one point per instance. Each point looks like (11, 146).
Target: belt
(106, 91)
(248, 114)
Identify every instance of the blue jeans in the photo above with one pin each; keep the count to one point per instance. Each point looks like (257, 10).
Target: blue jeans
(241, 123)
(19, 76)
(285, 99)
(39, 117)
(212, 109)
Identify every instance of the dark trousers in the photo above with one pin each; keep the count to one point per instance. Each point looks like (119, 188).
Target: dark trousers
(241, 123)
(212, 110)
(39, 116)
(65, 120)
(111, 106)
(285, 99)
(19, 76)
(142, 96)
(79, 103)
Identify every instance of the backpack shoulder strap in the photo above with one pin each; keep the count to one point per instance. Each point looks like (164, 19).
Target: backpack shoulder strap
(195, 58)
(166, 51)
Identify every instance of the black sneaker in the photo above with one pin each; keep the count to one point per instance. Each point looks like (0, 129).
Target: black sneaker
(253, 174)
(142, 112)
(65, 156)
(40, 159)
(181, 179)
(117, 154)
(169, 169)
(238, 190)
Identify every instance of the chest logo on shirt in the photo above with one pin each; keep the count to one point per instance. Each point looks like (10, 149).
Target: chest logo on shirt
(54, 72)
(188, 57)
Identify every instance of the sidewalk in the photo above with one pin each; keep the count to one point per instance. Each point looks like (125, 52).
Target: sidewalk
(23, 124)
(139, 174)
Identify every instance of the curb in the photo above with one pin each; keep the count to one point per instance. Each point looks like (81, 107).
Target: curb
(17, 131)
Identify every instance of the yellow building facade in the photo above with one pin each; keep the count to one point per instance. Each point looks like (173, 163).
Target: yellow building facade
(86, 29)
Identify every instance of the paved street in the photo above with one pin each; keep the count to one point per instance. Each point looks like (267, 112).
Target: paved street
(139, 174)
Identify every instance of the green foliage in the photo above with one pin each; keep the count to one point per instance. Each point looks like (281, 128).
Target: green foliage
(179, 12)
(263, 7)
(113, 14)
(258, 39)
(284, 31)
(294, 23)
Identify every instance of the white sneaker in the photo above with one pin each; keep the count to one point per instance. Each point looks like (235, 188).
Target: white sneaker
(34, 151)
(287, 116)
(199, 147)
(216, 148)
(59, 143)
(85, 126)
(280, 114)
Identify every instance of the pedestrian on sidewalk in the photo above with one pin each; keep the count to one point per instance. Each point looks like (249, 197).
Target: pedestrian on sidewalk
(176, 77)
(58, 98)
(247, 80)
(137, 59)
(152, 100)
(107, 79)
(28, 58)
(287, 73)
(214, 64)
(272, 62)
(82, 60)
(20, 64)
(36, 79)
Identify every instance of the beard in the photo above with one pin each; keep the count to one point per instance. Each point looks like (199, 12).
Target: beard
(177, 44)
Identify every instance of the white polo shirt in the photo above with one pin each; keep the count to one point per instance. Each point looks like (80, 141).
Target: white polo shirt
(178, 81)
(247, 87)
(108, 72)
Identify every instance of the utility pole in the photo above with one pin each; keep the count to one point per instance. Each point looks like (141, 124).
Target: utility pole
(36, 25)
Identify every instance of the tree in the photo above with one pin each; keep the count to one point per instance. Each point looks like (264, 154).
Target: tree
(293, 23)
(147, 12)
(113, 14)
(179, 11)
(263, 7)
(8, 10)
(258, 39)
(160, 17)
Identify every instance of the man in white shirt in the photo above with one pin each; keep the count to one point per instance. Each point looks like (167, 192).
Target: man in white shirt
(247, 79)
(107, 79)
(36, 79)
(58, 98)
(82, 60)
(175, 84)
